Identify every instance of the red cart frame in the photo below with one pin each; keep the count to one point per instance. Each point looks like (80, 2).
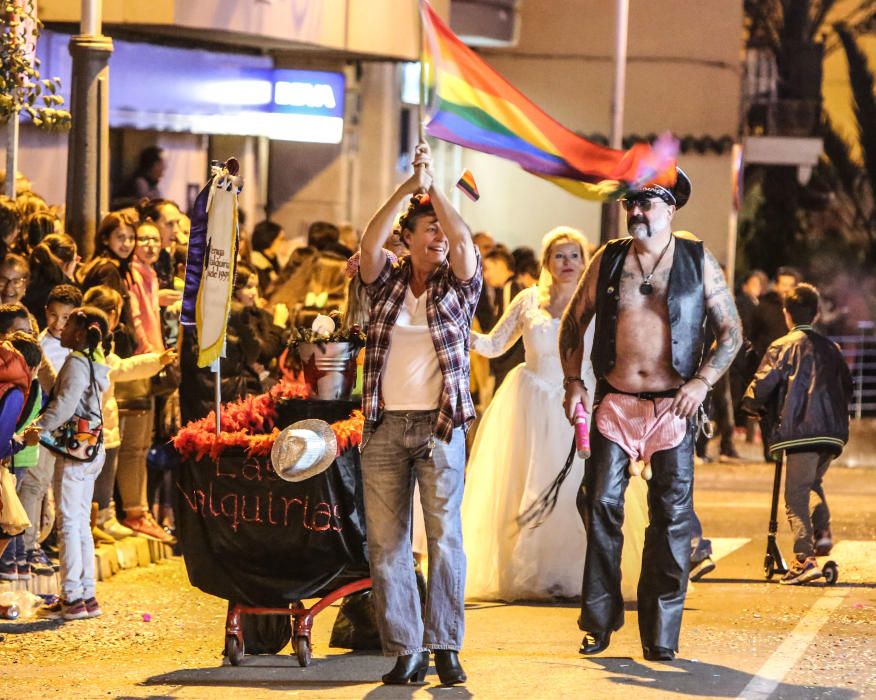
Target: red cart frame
(302, 622)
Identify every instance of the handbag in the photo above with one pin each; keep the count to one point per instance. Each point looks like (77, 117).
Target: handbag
(77, 439)
(13, 518)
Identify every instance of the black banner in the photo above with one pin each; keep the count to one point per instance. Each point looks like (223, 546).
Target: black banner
(250, 537)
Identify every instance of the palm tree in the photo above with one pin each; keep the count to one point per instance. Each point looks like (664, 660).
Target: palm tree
(777, 229)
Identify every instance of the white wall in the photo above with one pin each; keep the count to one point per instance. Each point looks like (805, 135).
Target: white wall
(42, 157)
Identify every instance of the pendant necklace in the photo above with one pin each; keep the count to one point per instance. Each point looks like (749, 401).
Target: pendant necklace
(646, 288)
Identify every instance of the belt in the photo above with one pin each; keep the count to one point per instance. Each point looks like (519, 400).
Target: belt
(607, 388)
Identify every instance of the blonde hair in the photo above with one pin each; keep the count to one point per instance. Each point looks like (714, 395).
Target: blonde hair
(560, 234)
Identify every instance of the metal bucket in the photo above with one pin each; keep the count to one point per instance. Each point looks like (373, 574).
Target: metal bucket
(329, 369)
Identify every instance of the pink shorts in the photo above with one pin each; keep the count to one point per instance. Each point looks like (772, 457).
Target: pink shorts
(640, 427)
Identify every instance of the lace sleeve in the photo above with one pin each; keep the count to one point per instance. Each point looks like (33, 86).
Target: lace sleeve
(506, 331)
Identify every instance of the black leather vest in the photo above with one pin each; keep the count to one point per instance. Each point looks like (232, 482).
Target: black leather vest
(685, 298)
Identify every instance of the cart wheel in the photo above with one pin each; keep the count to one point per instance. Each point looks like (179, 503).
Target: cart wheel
(302, 650)
(768, 567)
(831, 573)
(234, 650)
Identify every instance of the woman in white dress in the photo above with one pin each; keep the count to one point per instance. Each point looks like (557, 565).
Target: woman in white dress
(522, 443)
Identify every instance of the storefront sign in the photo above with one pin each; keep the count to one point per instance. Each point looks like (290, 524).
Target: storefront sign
(206, 92)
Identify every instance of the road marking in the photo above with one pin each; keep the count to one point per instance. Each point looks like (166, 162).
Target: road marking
(789, 652)
(725, 546)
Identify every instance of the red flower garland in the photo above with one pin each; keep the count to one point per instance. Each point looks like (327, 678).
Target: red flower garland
(250, 423)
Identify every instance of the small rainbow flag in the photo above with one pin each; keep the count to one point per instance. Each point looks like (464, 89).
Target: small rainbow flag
(468, 185)
(475, 107)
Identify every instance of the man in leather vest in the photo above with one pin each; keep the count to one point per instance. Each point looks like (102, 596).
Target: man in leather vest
(651, 294)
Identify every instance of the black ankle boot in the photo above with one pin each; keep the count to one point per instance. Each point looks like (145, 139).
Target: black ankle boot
(409, 668)
(594, 643)
(448, 667)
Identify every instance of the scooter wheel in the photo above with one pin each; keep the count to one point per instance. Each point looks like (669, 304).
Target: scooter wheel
(769, 567)
(831, 573)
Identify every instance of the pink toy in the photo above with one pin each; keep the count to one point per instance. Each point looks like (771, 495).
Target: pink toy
(582, 432)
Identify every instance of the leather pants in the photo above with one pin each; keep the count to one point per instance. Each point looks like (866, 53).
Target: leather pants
(666, 557)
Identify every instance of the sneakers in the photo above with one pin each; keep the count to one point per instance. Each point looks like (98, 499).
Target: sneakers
(8, 571)
(106, 521)
(701, 568)
(823, 543)
(39, 563)
(145, 525)
(92, 607)
(801, 572)
(100, 537)
(23, 569)
(730, 457)
(63, 610)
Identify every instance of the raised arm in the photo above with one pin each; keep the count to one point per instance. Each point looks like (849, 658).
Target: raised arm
(372, 258)
(506, 331)
(462, 256)
(724, 320)
(576, 318)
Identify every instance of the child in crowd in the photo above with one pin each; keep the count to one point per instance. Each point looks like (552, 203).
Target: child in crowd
(52, 262)
(133, 368)
(60, 303)
(114, 243)
(76, 399)
(20, 357)
(14, 276)
(803, 385)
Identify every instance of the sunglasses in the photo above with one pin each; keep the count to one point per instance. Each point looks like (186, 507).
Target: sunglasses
(644, 203)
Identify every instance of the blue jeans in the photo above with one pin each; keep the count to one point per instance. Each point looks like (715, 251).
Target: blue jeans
(400, 449)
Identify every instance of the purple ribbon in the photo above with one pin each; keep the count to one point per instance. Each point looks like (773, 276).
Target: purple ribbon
(195, 258)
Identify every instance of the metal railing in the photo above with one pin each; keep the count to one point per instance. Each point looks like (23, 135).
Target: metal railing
(792, 118)
(860, 353)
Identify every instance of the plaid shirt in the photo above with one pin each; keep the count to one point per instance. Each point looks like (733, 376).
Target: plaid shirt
(450, 305)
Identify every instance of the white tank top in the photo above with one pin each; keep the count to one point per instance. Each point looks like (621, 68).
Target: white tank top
(411, 379)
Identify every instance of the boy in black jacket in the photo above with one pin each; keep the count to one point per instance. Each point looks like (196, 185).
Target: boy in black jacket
(803, 385)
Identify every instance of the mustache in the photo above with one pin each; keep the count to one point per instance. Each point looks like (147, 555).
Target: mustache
(633, 220)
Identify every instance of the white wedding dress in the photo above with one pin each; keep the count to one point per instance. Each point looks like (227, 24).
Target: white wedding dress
(521, 444)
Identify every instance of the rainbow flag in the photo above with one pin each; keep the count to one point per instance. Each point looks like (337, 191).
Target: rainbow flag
(475, 107)
(468, 185)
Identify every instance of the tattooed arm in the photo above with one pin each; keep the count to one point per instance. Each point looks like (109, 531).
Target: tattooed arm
(722, 313)
(576, 318)
(724, 320)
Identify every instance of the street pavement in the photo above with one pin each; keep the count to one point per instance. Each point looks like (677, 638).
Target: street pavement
(742, 637)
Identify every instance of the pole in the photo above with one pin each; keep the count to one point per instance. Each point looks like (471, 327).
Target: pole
(18, 19)
(609, 209)
(421, 107)
(88, 153)
(92, 11)
(217, 373)
(11, 155)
